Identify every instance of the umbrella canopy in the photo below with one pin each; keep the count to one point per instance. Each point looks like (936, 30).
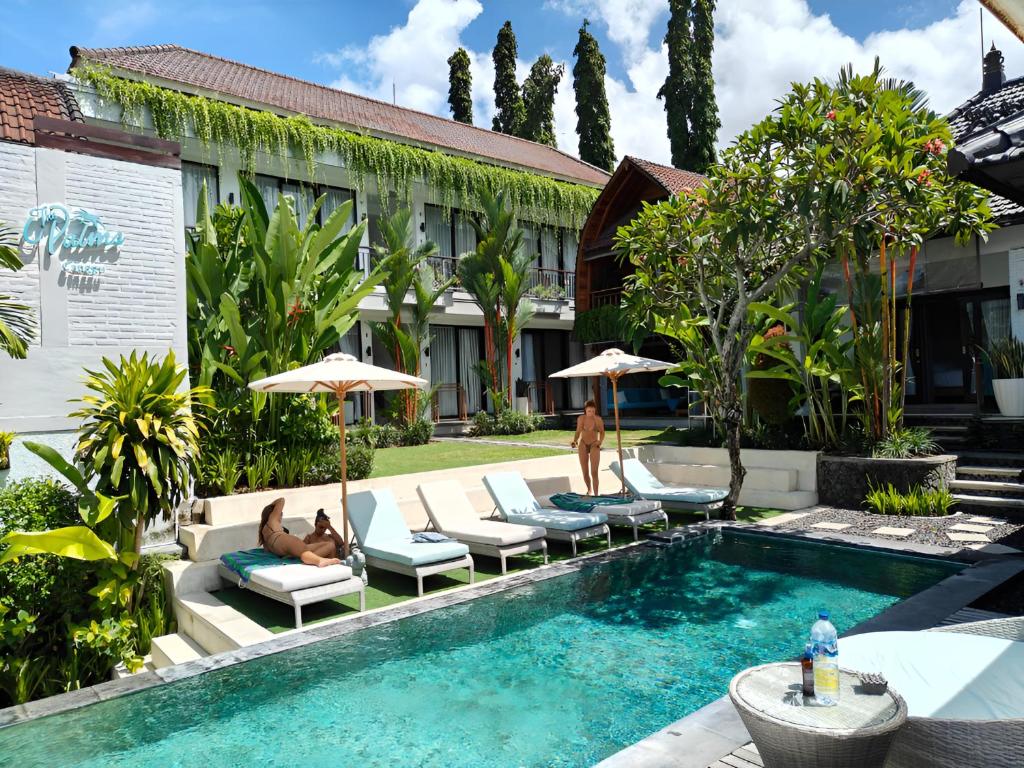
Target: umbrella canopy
(613, 363)
(339, 374)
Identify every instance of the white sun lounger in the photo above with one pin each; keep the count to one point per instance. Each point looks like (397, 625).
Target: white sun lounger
(387, 542)
(516, 503)
(297, 584)
(631, 515)
(645, 485)
(452, 514)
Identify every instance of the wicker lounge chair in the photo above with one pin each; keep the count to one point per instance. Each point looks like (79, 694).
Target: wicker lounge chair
(297, 584)
(948, 740)
(516, 504)
(452, 514)
(388, 544)
(645, 485)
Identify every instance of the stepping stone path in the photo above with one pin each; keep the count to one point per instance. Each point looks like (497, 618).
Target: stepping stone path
(968, 537)
(832, 526)
(899, 533)
(786, 517)
(985, 521)
(971, 528)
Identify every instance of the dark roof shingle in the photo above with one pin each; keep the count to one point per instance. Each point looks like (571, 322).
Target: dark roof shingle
(232, 80)
(24, 96)
(672, 179)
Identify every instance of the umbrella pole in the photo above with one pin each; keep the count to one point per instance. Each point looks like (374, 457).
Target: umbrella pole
(344, 468)
(618, 432)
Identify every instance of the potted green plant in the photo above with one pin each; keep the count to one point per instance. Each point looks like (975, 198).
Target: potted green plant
(6, 438)
(1007, 358)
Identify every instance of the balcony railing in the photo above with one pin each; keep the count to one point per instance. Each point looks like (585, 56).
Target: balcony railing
(552, 283)
(606, 297)
(445, 267)
(448, 391)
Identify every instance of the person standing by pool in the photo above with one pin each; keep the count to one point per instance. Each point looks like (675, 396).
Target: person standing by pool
(587, 441)
(323, 531)
(275, 539)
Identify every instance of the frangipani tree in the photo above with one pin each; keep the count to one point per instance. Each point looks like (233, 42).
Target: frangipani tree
(832, 168)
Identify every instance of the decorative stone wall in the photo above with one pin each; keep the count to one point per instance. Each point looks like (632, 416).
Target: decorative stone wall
(843, 480)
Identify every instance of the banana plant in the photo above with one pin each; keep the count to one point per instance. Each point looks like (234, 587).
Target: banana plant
(17, 327)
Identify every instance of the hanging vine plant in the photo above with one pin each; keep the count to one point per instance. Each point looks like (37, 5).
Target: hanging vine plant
(458, 180)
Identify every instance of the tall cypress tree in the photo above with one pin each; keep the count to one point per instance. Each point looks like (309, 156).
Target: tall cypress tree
(678, 88)
(593, 119)
(704, 122)
(460, 87)
(508, 101)
(539, 101)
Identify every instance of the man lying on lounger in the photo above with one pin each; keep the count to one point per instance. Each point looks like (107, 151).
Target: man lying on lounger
(274, 538)
(323, 531)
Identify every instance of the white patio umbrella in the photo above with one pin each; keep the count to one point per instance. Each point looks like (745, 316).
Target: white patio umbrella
(613, 363)
(339, 374)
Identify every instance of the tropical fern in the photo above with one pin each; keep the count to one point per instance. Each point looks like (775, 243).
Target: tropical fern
(17, 327)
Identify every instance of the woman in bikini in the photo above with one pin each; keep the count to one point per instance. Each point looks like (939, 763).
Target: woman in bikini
(588, 439)
(275, 539)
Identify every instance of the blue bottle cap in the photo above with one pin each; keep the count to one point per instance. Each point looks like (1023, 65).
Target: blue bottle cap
(823, 615)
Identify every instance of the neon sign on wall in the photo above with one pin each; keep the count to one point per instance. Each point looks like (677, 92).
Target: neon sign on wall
(71, 231)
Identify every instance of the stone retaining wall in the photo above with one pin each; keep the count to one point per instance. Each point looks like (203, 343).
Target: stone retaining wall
(843, 480)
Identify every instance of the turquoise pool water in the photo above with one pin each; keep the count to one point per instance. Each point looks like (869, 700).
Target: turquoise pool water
(564, 672)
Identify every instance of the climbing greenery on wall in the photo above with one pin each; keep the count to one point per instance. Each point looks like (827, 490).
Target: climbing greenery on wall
(394, 165)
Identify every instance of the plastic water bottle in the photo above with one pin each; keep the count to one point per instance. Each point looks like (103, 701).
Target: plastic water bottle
(825, 640)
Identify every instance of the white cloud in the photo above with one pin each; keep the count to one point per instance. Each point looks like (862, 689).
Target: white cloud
(761, 47)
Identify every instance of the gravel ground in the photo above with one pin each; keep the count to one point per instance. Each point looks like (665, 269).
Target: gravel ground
(927, 530)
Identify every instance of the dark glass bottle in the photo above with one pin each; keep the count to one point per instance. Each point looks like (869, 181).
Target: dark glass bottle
(807, 669)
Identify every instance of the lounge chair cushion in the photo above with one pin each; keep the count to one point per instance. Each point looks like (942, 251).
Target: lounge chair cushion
(517, 504)
(640, 481)
(452, 513)
(637, 507)
(944, 674)
(296, 576)
(381, 532)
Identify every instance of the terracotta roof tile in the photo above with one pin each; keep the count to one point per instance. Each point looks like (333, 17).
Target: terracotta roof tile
(672, 179)
(24, 96)
(235, 81)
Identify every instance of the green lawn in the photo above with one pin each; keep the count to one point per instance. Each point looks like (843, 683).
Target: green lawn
(630, 437)
(387, 588)
(448, 455)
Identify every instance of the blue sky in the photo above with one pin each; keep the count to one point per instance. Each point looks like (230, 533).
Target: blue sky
(366, 46)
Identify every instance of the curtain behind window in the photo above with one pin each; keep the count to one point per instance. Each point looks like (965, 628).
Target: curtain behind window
(530, 241)
(549, 250)
(303, 198)
(443, 369)
(192, 177)
(268, 187)
(570, 244)
(333, 199)
(465, 235)
(469, 377)
(577, 386)
(351, 344)
(438, 230)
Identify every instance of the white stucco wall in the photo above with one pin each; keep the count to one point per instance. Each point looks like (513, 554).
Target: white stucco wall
(137, 303)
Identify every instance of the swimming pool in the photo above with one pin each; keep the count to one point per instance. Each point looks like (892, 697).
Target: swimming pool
(563, 672)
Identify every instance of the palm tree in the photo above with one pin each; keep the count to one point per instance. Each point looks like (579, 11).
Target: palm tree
(17, 328)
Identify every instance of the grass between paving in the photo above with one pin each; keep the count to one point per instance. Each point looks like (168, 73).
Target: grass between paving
(449, 455)
(563, 437)
(386, 588)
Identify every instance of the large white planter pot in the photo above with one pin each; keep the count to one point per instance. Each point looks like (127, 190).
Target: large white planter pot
(523, 404)
(1009, 396)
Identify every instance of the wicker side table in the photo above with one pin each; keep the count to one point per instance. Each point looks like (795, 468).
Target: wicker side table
(789, 734)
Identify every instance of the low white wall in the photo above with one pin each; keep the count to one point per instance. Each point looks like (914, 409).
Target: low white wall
(776, 479)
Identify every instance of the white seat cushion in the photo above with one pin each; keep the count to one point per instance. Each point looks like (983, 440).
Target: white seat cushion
(295, 576)
(495, 532)
(944, 674)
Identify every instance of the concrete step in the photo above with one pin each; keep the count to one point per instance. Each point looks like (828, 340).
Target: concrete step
(1007, 507)
(989, 488)
(214, 626)
(992, 458)
(169, 650)
(972, 472)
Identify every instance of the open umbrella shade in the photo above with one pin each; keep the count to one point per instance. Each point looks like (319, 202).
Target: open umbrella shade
(339, 374)
(613, 363)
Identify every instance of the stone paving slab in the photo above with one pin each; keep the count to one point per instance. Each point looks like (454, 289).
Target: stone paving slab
(969, 537)
(786, 517)
(971, 528)
(897, 532)
(985, 520)
(832, 526)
